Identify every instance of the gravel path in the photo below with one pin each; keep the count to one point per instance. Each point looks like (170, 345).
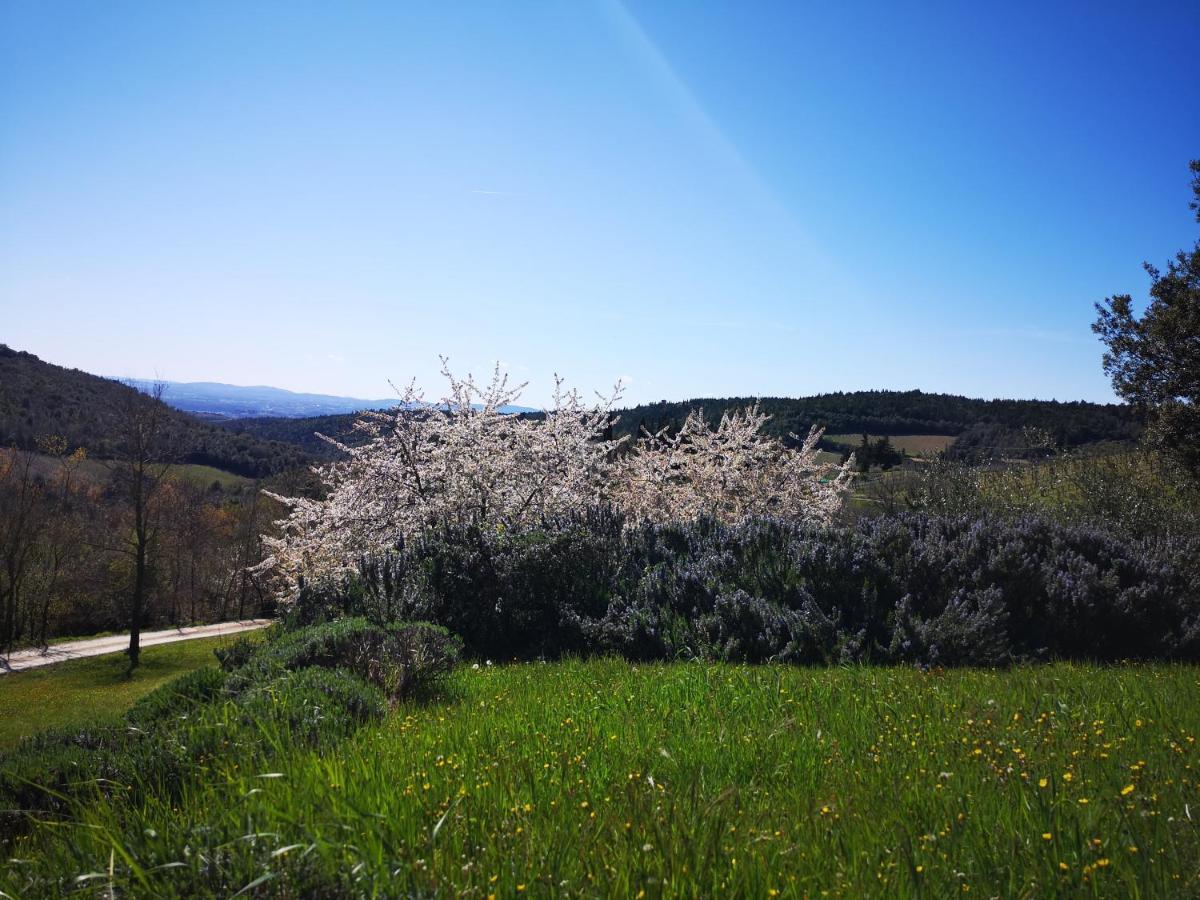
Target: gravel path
(30, 659)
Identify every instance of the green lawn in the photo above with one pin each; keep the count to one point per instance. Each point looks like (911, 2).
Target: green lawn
(611, 779)
(86, 691)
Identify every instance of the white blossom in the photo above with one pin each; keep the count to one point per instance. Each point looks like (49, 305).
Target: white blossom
(461, 460)
(727, 473)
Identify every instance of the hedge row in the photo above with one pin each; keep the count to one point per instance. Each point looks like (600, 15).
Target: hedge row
(908, 589)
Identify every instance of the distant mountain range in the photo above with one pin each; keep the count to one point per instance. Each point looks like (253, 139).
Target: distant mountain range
(231, 401)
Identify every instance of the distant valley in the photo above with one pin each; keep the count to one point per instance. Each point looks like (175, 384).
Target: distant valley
(214, 401)
(258, 432)
(232, 401)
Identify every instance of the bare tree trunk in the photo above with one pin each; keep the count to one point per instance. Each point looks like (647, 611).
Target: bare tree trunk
(139, 591)
(143, 468)
(9, 610)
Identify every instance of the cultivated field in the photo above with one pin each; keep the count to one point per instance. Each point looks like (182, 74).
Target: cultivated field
(912, 444)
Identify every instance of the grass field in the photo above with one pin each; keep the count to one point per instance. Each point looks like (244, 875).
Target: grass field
(606, 778)
(912, 444)
(87, 691)
(98, 471)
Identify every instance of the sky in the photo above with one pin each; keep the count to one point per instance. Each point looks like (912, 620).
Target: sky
(701, 199)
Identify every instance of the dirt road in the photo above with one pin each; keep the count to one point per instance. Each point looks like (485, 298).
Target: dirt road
(30, 659)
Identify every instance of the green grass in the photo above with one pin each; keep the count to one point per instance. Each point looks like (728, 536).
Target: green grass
(609, 779)
(912, 444)
(92, 690)
(204, 476)
(99, 472)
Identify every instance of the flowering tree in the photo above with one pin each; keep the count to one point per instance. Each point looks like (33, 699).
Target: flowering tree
(729, 472)
(462, 460)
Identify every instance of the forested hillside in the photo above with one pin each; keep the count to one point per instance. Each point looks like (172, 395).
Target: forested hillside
(39, 399)
(300, 432)
(907, 412)
(873, 412)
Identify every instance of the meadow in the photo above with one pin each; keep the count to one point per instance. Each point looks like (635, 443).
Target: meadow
(91, 691)
(696, 699)
(99, 472)
(689, 779)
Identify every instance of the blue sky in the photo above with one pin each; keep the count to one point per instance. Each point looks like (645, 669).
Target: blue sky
(706, 199)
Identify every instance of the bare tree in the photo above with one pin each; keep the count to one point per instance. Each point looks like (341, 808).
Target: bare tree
(22, 519)
(139, 472)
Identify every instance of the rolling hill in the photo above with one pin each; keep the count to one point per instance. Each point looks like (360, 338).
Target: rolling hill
(236, 401)
(39, 399)
(214, 402)
(908, 413)
(939, 418)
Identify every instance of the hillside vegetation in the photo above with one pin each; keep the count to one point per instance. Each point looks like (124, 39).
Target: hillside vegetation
(905, 413)
(301, 432)
(930, 421)
(39, 399)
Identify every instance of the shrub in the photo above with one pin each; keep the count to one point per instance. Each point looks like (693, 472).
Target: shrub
(916, 588)
(327, 644)
(314, 707)
(323, 600)
(407, 657)
(508, 594)
(397, 658)
(1136, 494)
(311, 687)
(44, 771)
(238, 653)
(177, 698)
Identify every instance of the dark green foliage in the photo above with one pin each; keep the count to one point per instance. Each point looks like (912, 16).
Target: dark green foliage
(398, 658)
(315, 707)
(385, 582)
(874, 453)
(238, 653)
(317, 602)
(918, 589)
(985, 442)
(1139, 495)
(903, 412)
(1154, 361)
(910, 589)
(46, 771)
(329, 644)
(515, 595)
(177, 698)
(405, 658)
(300, 432)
